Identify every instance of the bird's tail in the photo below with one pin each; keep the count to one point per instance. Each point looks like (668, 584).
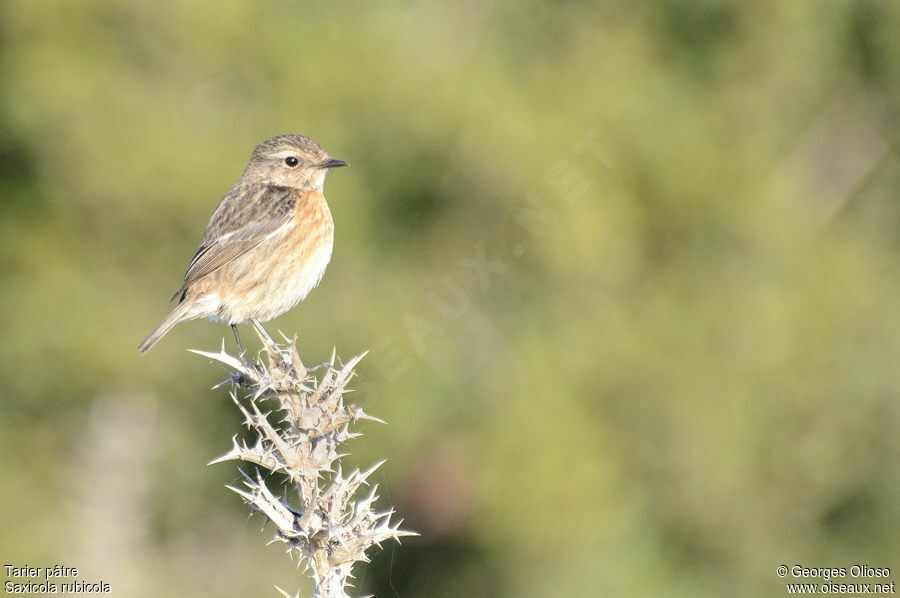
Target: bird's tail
(178, 315)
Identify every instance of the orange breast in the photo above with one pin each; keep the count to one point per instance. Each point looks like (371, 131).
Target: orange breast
(273, 277)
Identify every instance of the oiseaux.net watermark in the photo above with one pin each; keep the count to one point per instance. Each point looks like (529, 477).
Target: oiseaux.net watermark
(855, 579)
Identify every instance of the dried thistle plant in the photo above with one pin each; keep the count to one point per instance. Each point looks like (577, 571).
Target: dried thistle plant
(319, 516)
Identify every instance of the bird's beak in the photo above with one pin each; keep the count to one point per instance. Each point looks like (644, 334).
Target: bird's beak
(332, 163)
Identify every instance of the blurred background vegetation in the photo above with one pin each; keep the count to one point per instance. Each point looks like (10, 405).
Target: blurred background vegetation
(629, 271)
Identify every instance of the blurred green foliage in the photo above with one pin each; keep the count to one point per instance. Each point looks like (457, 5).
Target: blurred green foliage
(630, 272)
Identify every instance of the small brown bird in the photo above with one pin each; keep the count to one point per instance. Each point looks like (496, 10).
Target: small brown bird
(267, 244)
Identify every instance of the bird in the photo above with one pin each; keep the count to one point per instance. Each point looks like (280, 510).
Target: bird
(267, 244)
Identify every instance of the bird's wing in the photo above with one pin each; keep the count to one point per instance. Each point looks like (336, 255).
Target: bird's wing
(241, 222)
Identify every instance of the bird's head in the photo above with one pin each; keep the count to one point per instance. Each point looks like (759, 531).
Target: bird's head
(291, 161)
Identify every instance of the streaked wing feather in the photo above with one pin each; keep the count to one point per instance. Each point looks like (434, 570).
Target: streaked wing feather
(239, 224)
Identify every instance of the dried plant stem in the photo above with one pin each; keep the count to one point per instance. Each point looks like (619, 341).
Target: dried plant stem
(319, 517)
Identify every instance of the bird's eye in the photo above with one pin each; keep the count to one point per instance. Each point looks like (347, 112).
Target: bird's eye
(291, 161)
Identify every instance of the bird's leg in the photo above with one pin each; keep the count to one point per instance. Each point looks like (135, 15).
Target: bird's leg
(237, 339)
